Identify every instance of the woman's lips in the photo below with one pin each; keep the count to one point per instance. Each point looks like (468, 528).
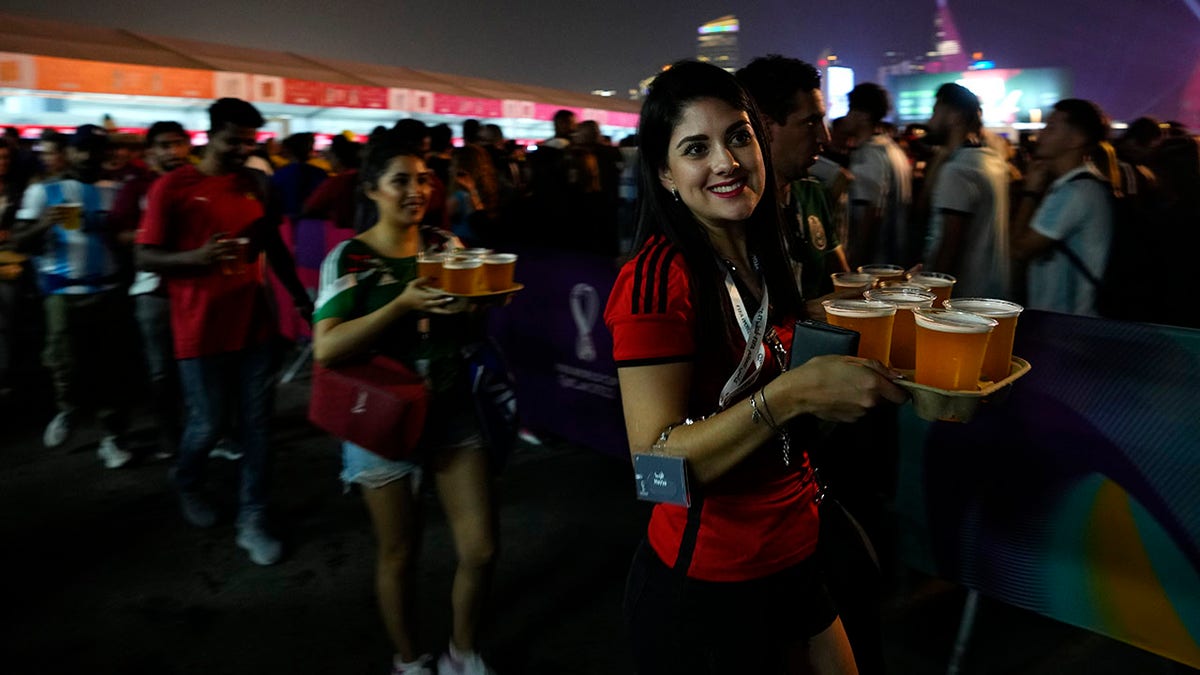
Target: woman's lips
(728, 189)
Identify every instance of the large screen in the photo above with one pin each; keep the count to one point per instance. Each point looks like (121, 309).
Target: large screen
(1008, 95)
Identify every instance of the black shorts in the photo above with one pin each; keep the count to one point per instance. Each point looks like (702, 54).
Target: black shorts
(681, 625)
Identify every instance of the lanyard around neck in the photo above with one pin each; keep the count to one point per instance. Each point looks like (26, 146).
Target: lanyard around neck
(754, 330)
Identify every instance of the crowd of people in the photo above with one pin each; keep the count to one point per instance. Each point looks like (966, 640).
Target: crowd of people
(744, 204)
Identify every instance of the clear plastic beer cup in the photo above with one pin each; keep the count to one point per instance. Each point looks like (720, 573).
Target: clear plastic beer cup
(73, 218)
(883, 273)
(903, 354)
(498, 270)
(997, 363)
(463, 276)
(852, 281)
(872, 319)
(429, 265)
(940, 284)
(950, 348)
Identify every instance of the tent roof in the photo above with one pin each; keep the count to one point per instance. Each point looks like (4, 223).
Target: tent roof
(42, 37)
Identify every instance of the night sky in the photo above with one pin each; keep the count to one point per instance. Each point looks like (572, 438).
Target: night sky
(1131, 56)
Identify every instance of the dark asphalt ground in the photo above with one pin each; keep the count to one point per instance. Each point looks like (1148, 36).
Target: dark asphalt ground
(101, 576)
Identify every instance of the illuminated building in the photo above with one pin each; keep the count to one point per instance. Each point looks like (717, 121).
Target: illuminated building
(717, 43)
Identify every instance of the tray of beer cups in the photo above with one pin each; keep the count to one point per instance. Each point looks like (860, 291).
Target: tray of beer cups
(964, 357)
(474, 274)
(953, 358)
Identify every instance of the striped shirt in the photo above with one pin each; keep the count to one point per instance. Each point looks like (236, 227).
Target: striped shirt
(75, 262)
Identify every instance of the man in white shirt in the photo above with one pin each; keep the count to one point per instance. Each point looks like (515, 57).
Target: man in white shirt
(882, 189)
(968, 224)
(1064, 230)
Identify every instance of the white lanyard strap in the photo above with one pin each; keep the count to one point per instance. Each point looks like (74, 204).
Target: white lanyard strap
(754, 330)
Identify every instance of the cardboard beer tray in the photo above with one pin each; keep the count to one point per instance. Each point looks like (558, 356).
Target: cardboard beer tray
(935, 404)
(485, 294)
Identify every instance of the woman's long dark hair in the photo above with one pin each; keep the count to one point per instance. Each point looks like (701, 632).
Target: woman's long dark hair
(661, 214)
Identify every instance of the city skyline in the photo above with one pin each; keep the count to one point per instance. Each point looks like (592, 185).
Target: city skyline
(1141, 69)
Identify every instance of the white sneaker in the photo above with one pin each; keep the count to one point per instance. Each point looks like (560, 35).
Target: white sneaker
(111, 454)
(418, 667)
(470, 664)
(252, 536)
(57, 431)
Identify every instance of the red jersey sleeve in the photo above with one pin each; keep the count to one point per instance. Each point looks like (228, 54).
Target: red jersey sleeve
(152, 231)
(650, 312)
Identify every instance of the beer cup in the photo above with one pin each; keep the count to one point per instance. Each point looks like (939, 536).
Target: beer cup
(498, 270)
(462, 276)
(235, 262)
(907, 284)
(872, 319)
(883, 273)
(997, 363)
(429, 265)
(950, 348)
(903, 353)
(852, 281)
(73, 219)
(940, 284)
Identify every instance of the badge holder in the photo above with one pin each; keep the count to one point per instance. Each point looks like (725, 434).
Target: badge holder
(662, 479)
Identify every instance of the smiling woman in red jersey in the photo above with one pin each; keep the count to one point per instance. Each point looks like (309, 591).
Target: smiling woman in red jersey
(702, 320)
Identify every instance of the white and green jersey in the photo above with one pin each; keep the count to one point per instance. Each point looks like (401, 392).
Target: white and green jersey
(356, 281)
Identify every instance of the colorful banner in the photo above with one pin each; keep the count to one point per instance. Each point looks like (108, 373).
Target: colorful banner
(55, 74)
(466, 106)
(307, 92)
(554, 338)
(1077, 497)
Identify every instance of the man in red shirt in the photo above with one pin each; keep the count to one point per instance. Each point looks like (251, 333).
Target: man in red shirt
(203, 229)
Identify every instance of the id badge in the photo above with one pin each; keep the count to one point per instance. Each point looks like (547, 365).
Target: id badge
(661, 479)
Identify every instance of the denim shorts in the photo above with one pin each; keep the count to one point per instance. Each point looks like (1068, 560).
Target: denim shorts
(450, 423)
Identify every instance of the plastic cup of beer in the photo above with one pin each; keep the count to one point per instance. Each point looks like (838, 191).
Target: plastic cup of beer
(950, 348)
(462, 276)
(904, 350)
(474, 252)
(871, 318)
(429, 265)
(908, 284)
(997, 363)
(498, 270)
(235, 262)
(883, 273)
(940, 284)
(73, 215)
(852, 281)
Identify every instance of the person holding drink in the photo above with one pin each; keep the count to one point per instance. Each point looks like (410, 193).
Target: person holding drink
(372, 300)
(726, 584)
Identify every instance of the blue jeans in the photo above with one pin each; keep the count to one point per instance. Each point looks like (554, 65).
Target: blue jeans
(206, 380)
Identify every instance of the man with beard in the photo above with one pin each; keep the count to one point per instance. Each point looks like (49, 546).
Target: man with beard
(167, 148)
(64, 221)
(968, 223)
(788, 94)
(203, 229)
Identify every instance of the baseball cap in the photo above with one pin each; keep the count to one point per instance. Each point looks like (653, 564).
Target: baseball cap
(89, 137)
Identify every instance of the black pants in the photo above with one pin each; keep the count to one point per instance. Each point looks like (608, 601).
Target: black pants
(687, 626)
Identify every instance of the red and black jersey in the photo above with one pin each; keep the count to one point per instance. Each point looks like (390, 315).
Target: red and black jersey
(760, 517)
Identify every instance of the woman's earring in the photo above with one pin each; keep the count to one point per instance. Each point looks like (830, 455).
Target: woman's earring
(675, 193)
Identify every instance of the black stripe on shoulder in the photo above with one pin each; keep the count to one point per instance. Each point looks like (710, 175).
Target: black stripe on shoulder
(663, 277)
(640, 268)
(651, 271)
(658, 361)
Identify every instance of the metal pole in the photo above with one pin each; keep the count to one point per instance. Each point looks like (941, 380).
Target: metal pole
(965, 626)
